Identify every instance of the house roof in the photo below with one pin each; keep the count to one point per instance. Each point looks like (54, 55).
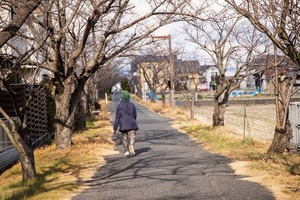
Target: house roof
(180, 66)
(148, 58)
(266, 64)
(153, 58)
(186, 66)
(203, 68)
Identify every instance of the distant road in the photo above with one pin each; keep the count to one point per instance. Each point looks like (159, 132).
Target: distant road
(168, 165)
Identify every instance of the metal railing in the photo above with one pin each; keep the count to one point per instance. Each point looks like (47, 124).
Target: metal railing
(8, 154)
(5, 143)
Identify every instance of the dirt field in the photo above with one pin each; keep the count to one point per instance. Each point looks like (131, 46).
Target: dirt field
(259, 121)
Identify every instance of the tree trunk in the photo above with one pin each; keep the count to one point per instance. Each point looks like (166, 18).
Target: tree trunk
(63, 134)
(17, 133)
(80, 116)
(64, 121)
(66, 103)
(283, 130)
(23, 146)
(27, 163)
(192, 109)
(153, 92)
(281, 140)
(163, 98)
(218, 115)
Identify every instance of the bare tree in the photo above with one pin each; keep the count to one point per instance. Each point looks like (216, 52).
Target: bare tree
(279, 21)
(230, 45)
(187, 80)
(154, 69)
(284, 77)
(20, 10)
(102, 30)
(100, 82)
(16, 127)
(58, 33)
(13, 15)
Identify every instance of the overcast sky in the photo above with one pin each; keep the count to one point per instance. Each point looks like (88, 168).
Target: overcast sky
(179, 38)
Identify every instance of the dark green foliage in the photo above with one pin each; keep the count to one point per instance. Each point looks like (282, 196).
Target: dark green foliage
(125, 85)
(50, 102)
(80, 117)
(199, 96)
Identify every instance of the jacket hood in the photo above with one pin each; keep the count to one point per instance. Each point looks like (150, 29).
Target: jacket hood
(125, 95)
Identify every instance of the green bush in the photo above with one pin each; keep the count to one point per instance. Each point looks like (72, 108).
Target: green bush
(199, 96)
(125, 85)
(50, 103)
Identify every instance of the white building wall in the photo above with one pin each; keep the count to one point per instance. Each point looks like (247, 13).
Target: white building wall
(22, 47)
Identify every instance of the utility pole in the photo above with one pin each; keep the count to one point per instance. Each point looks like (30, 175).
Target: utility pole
(172, 102)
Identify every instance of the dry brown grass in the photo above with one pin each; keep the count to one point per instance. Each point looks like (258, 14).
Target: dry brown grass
(259, 119)
(279, 173)
(59, 172)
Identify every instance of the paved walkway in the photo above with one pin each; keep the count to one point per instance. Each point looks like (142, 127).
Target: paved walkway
(168, 165)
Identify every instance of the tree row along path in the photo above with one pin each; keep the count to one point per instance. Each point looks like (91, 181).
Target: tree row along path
(167, 165)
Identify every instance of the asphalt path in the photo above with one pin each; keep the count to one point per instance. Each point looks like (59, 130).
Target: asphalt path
(167, 165)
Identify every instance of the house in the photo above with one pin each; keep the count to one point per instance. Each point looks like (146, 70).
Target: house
(149, 69)
(186, 75)
(155, 70)
(265, 70)
(19, 47)
(208, 76)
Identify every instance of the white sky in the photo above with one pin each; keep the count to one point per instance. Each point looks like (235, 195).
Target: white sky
(179, 38)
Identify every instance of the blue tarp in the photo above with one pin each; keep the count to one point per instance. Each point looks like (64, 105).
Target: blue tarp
(150, 95)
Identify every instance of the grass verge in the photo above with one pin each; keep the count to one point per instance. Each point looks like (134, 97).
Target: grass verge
(60, 172)
(279, 173)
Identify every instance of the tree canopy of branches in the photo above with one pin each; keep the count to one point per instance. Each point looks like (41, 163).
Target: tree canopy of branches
(154, 67)
(187, 80)
(21, 11)
(12, 17)
(73, 40)
(230, 44)
(279, 21)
